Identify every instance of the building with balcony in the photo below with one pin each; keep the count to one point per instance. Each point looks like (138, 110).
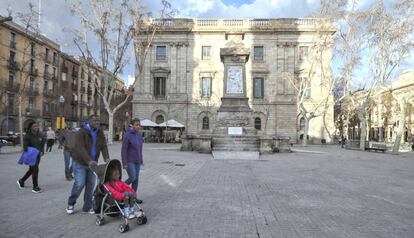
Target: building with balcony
(28, 68)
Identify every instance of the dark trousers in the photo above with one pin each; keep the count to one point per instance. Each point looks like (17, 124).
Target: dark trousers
(34, 172)
(49, 146)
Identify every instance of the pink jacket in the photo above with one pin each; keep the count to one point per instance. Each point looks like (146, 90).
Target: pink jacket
(118, 189)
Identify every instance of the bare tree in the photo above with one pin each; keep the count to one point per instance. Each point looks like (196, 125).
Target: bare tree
(112, 25)
(390, 40)
(22, 65)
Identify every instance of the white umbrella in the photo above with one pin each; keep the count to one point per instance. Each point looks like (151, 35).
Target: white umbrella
(171, 123)
(149, 123)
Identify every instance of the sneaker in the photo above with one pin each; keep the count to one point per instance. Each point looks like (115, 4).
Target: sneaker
(126, 211)
(37, 190)
(20, 184)
(139, 201)
(131, 215)
(69, 177)
(90, 211)
(70, 210)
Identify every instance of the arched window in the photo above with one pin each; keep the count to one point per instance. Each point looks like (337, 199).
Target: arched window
(159, 119)
(302, 123)
(206, 123)
(258, 123)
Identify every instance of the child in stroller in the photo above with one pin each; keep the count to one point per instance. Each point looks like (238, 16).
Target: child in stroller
(114, 197)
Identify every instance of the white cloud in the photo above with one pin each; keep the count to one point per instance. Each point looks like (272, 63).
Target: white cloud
(130, 81)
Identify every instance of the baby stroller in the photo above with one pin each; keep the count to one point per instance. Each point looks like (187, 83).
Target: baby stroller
(105, 204)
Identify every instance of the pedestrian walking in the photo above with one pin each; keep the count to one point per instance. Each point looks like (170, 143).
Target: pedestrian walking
(34, 139)
(132, 159)
(50, 137)
(90, 142)
(67, 141)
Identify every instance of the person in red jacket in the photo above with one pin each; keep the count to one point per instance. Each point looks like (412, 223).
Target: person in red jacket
(121, 191)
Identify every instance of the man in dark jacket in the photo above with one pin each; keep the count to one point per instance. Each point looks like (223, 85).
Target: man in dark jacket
(90, 142)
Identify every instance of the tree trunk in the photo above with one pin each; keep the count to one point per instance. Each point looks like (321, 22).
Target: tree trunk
(397, 143)
(110, 127)
(20, 122)
(363, 124)
(330, 135)
(305, 132)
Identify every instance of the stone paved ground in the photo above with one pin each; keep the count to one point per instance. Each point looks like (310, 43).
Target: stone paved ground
(315, 192)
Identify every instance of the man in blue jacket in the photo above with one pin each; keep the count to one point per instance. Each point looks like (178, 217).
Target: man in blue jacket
(132, 154)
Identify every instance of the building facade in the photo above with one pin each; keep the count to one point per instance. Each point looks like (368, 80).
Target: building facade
(50, 83)
(383, 113)
(184, 76)
(29, 70)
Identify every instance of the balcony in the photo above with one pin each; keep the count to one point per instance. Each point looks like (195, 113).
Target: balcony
(47, 114)
(32, 91)
(49, 93)
(47, 75)
(34, 72)
(12, 65)
(10, 111)
(11, 87)
(32, 112)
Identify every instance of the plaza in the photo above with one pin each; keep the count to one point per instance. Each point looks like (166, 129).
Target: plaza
(313, 192)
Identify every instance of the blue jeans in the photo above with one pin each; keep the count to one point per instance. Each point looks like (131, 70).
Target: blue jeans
(83, 178)
(68, 167)
(133, 174)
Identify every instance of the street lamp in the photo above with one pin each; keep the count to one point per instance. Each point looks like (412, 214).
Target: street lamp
(62, 103)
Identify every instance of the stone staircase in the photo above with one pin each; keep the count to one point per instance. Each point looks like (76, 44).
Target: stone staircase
(236, 143)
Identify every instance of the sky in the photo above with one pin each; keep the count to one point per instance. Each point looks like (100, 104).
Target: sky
(56, 16)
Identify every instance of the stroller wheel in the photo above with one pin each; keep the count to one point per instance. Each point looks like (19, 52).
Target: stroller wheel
(123, 228)
(99, 220)
(141, 220)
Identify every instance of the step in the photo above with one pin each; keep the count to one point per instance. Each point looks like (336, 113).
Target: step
(236, 155)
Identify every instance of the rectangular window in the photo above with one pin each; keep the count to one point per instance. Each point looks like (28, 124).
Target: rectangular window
(205, 87)
(47, 54)
(258, 87)
(161, 53)
(303, 52)
(206, 53)
(11, 79)
(13, 40)
(33, 49)
(45, 85)
(54, 71)
(10, 101)
(32, 83)
(46, 69)
(12, 56)
(32, 63)
(159, 87)
(31, 104)
(46, 107)
(54, 58)
(258, 53)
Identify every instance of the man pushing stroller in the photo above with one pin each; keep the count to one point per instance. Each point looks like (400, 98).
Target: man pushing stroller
(90, 142)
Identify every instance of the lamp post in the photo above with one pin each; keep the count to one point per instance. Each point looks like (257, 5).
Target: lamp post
(126, 120)
(62, 103)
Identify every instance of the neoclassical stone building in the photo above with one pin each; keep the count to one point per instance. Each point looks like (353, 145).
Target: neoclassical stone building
(201, 72)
